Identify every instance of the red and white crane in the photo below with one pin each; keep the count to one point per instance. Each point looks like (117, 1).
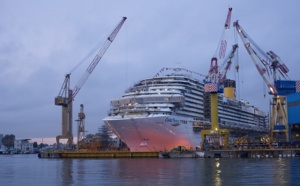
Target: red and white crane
(213, 78)
(214, 83)
(66, 94)
(225, 66)
(268, 64)
(274, 73)
(214, 71)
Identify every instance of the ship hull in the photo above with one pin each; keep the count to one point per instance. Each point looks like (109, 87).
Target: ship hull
(159, 113)
(154, 133)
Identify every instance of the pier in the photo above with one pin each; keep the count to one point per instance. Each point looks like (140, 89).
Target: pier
(229, 153)
(96, 154)
(253, 153)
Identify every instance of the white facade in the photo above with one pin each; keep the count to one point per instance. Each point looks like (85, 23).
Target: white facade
(23, 145)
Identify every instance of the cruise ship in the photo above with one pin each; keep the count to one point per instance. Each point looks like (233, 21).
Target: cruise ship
(170, 109)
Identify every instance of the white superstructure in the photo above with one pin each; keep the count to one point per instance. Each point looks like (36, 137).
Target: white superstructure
(163, 112)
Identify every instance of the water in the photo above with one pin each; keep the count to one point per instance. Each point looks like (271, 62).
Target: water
(29, 170)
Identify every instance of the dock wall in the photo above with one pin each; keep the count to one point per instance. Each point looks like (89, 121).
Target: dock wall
(97, 154)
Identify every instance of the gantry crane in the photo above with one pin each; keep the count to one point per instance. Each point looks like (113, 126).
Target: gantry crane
(274, 73)
(214, 84)
(66, 94)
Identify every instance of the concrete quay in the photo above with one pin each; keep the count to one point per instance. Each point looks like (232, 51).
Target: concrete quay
(253, 153)
(96, 154)
(230, 153)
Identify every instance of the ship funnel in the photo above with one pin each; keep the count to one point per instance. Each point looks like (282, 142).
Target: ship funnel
(229, 88)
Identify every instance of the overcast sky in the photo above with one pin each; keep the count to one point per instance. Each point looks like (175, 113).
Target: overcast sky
(42, 41)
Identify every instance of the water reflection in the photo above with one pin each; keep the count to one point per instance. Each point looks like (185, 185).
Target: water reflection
(81, 172)
(66, 172)
(183, 171)
(291, 171)
(217, 180)
(280, 170)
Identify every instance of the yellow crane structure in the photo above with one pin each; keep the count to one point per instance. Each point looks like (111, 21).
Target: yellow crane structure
(66, 94)
(214, 84)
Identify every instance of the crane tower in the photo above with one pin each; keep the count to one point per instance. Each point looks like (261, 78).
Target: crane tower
(81, 125)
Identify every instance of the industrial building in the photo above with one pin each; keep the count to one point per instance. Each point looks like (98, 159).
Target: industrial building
(293, 104)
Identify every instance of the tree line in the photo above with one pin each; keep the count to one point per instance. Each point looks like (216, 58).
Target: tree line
(8, 140)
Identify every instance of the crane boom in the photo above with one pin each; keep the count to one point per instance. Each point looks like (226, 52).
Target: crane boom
(223, 43)
(228, 60)
(66, 95)
(262, 63)
(214, 72)
(274, 73)
(98, 57)
(228, 19)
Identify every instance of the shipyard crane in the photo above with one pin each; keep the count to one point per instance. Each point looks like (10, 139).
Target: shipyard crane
(274, 73)
(214, 84)
(218, 74)
(80, 126)
(66, 94)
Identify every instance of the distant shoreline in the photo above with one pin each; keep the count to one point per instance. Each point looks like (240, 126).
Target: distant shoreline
(49, 140)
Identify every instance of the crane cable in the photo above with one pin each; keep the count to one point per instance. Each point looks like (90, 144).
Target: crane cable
(96, 47)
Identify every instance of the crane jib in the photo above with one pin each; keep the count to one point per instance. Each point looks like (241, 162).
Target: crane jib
(66, 95)
(98, 57)
(66, 85)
